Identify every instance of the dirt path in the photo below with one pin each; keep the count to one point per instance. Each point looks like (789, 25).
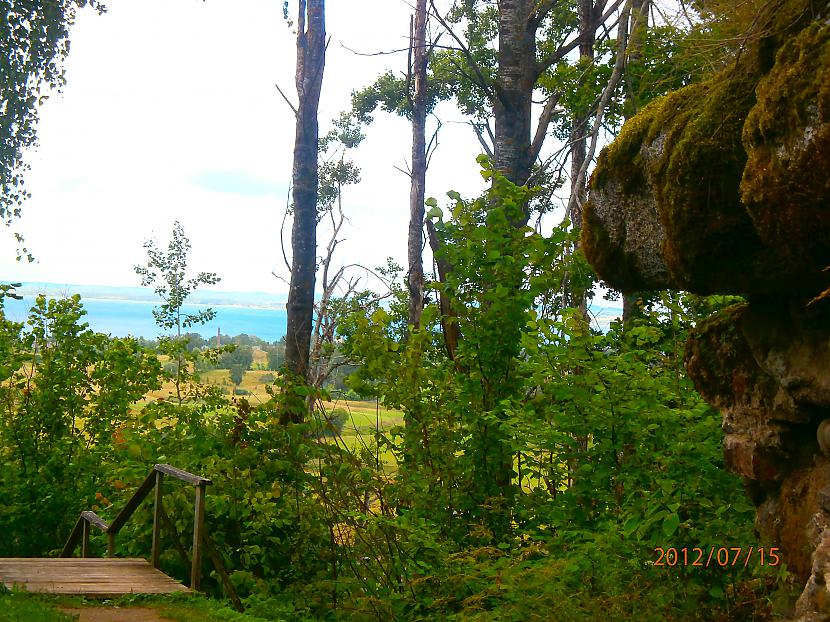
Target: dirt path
(115, 614)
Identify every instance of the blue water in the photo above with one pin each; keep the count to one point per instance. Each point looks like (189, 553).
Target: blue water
(120, 318)
(126, 317)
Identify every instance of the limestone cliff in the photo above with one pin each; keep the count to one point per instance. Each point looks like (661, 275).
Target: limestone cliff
(724, 187)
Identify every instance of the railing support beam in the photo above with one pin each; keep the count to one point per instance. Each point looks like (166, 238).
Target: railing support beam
(198, 527)
(85, 540)
(157, 509)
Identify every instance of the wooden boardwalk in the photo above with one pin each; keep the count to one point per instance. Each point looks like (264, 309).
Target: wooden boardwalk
(94, 577)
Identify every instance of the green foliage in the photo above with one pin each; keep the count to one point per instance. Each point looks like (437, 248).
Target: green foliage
(543, 435)
(166, 273)
(65, 393)
(259, 513)
(237, 372)
(34, 42)
(240, 356)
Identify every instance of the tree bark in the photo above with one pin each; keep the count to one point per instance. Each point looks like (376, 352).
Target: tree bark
(515, 80)
(311, 58)
(419, 101)
(631, 105)
(579, 133)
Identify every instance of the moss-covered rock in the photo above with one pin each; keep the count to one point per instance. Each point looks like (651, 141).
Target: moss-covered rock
(786, 181)
(667, 206)
(724, 186)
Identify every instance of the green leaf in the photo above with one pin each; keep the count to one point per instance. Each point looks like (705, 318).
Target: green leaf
(716, 592)
(631, 525)
(435, 212)
(670, 524)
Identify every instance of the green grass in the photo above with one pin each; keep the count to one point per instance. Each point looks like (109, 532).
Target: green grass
(17, 607)
(24, 607)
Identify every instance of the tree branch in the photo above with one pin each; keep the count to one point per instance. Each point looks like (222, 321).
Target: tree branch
(566, 48)
(542, 128)
(480, 137)
(479, 80)
(287, 101)
(613, 81)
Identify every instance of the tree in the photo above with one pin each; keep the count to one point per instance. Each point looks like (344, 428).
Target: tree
(243, 356)
(34, 42)
(311, 58)
(237, 372)
(419, 104)
(166, 274)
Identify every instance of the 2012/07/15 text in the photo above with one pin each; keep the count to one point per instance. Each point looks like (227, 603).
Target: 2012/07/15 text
(716, 556)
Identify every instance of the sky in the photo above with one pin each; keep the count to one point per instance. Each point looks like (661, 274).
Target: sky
(170, 112)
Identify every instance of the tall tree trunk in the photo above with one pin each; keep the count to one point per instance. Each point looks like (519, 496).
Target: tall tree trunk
(579, 133)
(311, 58)
(493, 489)
(419, 101)
(579, 140)
(631, 105)
(514, 89)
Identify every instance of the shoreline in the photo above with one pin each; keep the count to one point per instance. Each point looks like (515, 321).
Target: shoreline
(274, 307)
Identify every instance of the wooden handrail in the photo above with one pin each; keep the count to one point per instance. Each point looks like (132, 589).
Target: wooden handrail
(153, 481)
(182, 475)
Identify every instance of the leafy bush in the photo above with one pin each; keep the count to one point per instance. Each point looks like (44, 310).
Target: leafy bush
(66, 394)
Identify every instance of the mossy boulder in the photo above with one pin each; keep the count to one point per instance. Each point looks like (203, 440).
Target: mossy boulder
(786, 181)
(680, 200)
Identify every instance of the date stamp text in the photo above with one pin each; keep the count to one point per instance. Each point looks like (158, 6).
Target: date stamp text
(713, 556)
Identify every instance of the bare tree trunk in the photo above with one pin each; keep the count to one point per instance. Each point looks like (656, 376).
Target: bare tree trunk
(639, 18)
(579, 141)
(418, 102)
(311, 58)
(579, 133)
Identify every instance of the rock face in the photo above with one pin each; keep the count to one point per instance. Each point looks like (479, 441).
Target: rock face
(724, 187)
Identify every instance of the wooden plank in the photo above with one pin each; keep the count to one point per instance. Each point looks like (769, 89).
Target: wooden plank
(88, 576)
(198, 526)
(157, 510)
(85, 539)
(133, 503)
(72, 541)
(196, 480)
(93, 519)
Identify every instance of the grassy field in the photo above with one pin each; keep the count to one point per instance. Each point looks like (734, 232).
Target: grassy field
(364, 418)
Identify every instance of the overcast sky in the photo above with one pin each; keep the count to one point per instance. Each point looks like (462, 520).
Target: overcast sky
(170, 112)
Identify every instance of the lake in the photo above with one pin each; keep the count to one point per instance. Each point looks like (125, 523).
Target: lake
(126, 317)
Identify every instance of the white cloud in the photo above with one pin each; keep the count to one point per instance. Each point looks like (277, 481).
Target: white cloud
(162, 94)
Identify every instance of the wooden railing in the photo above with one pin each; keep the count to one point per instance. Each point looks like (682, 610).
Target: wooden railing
(154, 481)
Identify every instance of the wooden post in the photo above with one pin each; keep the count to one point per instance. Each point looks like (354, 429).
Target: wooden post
(85, 540)
(156, 551)
(198, 526)
(111, 544)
